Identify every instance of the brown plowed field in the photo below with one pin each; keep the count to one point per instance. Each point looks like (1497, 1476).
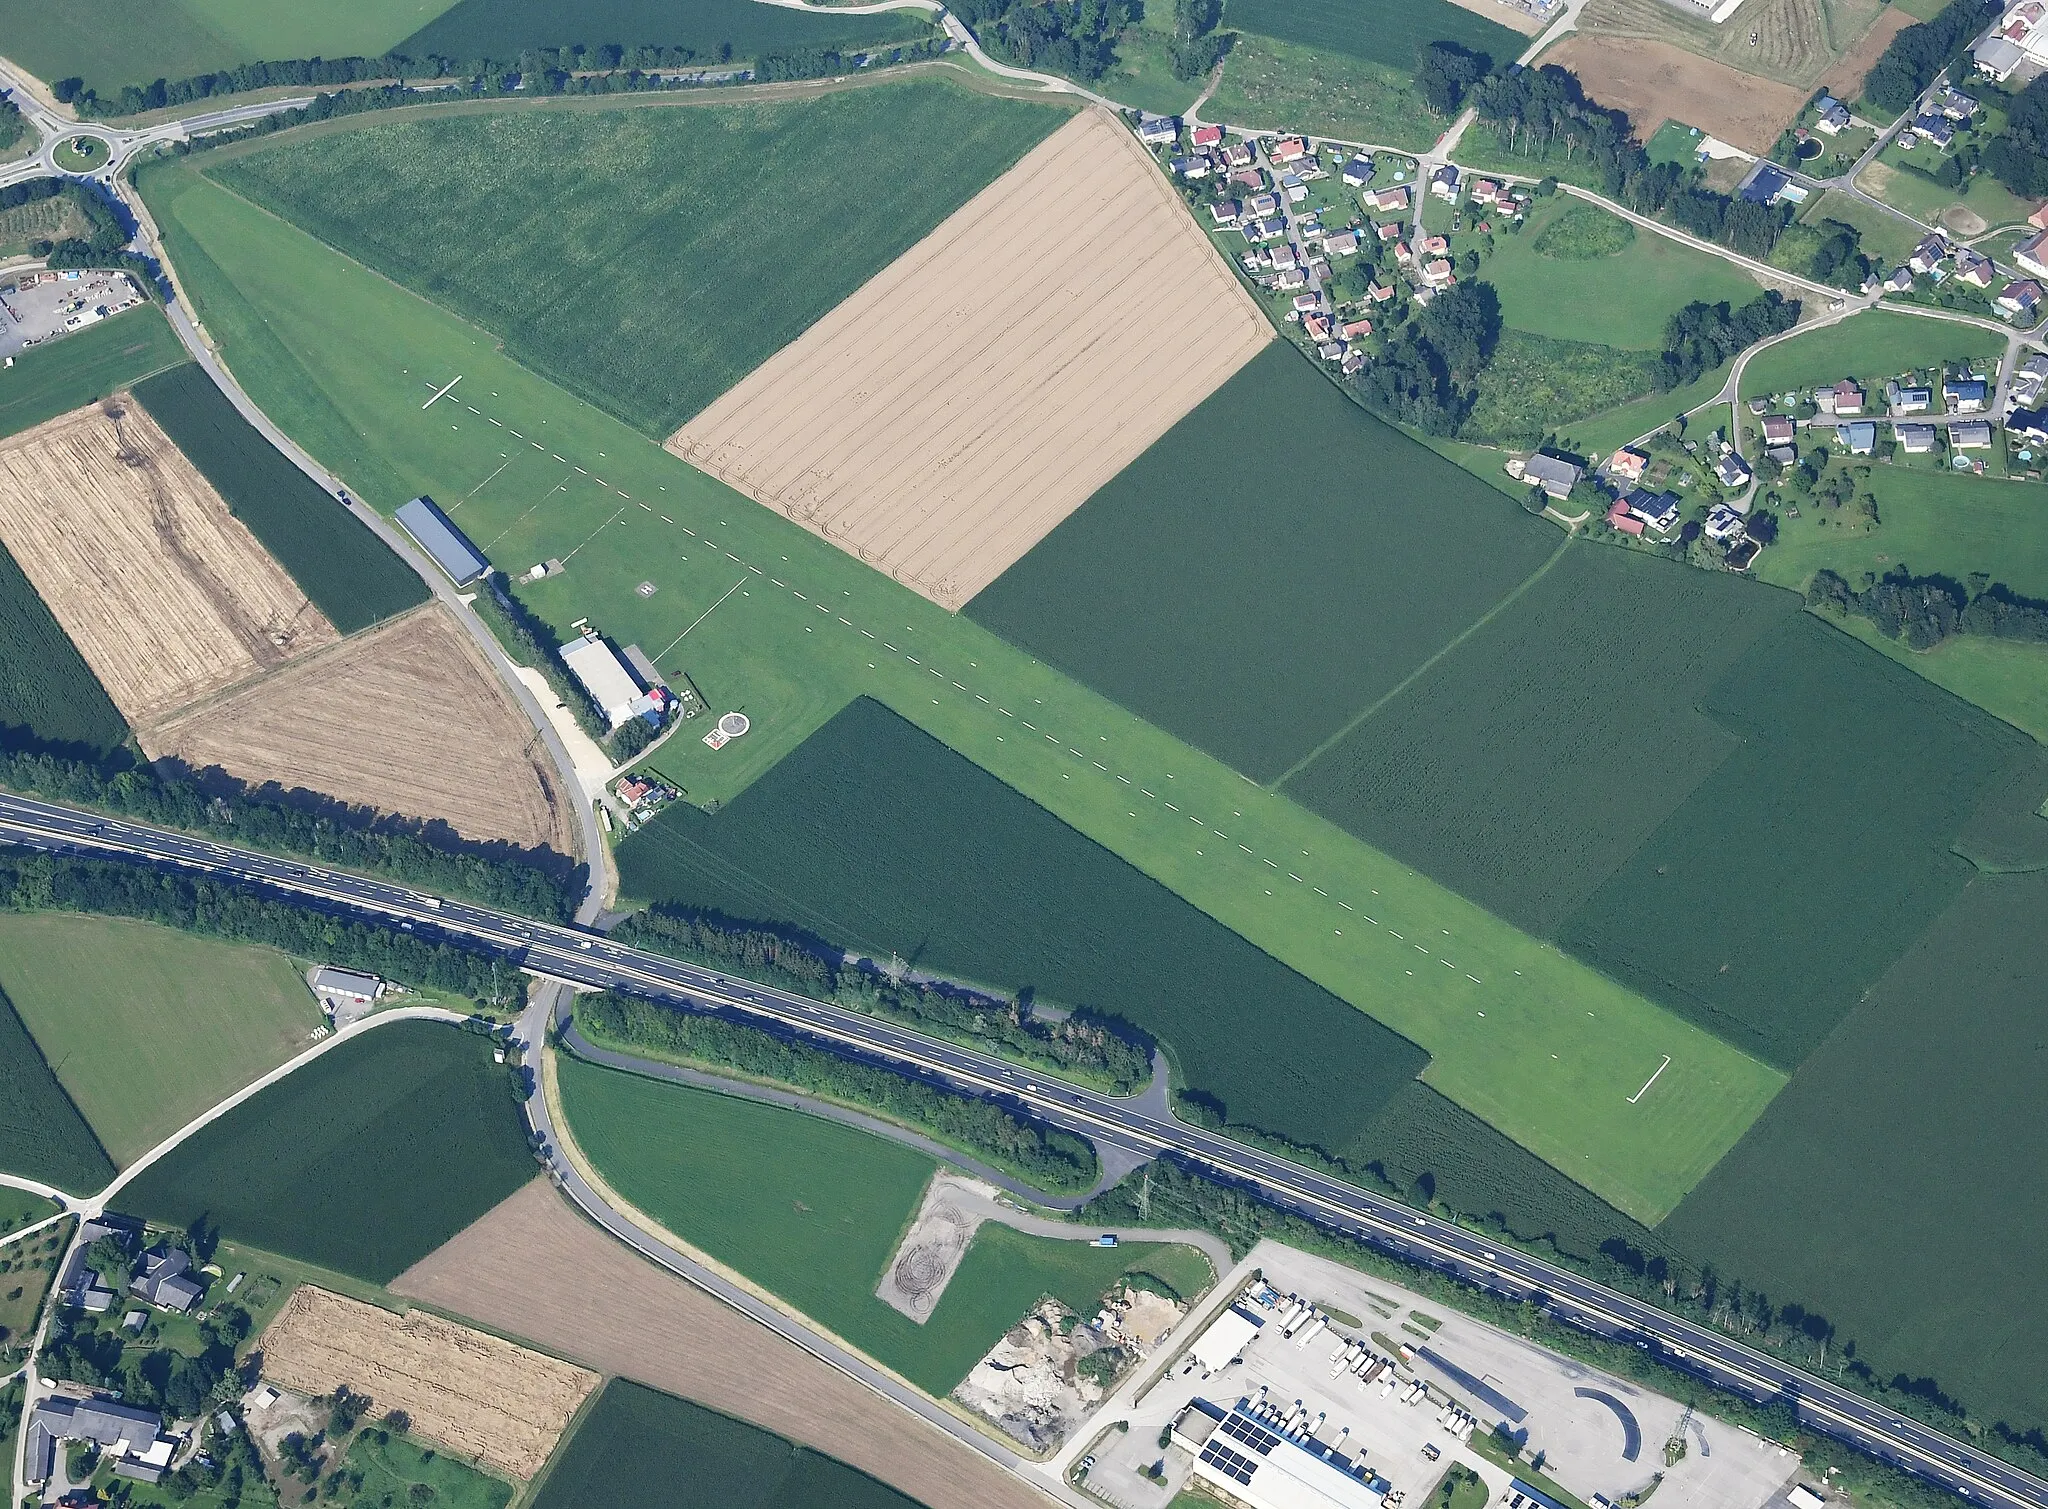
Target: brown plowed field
(493, 1402)
(407, 718)
(1655, 82)
(164, 591)
(976, 391)
(1844, 80)
(535, 1268)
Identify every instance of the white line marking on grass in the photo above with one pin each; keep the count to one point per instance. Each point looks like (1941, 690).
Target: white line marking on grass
(1319, 890)
(1477, 981)
(1347, 907)
(480, 486)
(442, 394)
(1295, 878)
(500, 426)
(1650, 1081)
(702, 616)
(1391, 933)
(589, 537)
(666, 519)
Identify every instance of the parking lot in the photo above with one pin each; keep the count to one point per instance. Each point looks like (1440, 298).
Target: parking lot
(1601, 1437)
(44, 306)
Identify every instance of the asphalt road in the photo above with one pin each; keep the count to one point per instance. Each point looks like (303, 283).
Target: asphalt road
(587, 959)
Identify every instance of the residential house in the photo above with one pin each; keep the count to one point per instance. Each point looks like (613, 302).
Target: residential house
(1658, 512)
(164, 1280)
(1724, 523)
(1358, 172)
(2019, 298)
(1899, 280)
(1859, 435)
(1282, 257)
(1760, 406)
(1842, 399)
(1387, 230)
(1292, 186)
(1485, 191)
(1288, 149)
(1970, 435)
(1914, 439)
(1379, 293)
(1778, 429)
(1343, 244)
(1732, 470)
(1628, 465)
(1208, 136)
(1192, 168)
(1444, 183)
(1291, 278)
(1966, 396)
(1403, 253)
(1316, 327)
(1158, 130)
(1394, 197)
(1833, 115)
(1263, 204)
(118, 1430)
(1331, 351)
(1913, 401)
(1954, 104)
(1436, 246)
(1353, 330)
(1354, 362)
(79, 1284)
(1782, 456)
(2028, 382)
(1936, 129)
(1556, 477)
(1240, 154)
(1973, 269)
(2032, 254)
(1308, 303)
(2039, 219)
(1764, 184)
(1928, 256)
(1225, 212)
(1620, 518)
(1438, 274)
(2030, 425)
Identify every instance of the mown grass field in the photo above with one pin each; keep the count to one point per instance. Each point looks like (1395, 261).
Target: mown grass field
(105, 358)
(876, 836)
(1547, 286)
(648, 258)
(1191, 607)
(716, 30)
(363, 1161)
(1869, 347)
(42, 1135)
(1771, 943)
(398, 1466)
(679, 1455)
(1905, 180)
(350, 574)
(1886, 237)
(157, 39)
(1270, 83)
(1392, 32)
(813, 1211)
(1905, 1128)
(19, 1208)
(342, 359)
(1483, 772)
(48, 694)
(147, 1027)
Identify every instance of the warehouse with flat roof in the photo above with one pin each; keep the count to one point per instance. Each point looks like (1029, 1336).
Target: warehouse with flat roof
(438, 536)
(602, 674)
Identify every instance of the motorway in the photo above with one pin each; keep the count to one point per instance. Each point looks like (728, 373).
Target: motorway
(579, 958)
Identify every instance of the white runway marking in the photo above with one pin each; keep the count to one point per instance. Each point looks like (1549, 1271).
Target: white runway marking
(442, 394)
(1650, 1081)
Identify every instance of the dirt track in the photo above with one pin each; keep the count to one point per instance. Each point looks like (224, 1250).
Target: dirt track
(164, 591)
(535, 1268)
(976, 391)
(1655, 82)
(489, 1400)
(406, 718)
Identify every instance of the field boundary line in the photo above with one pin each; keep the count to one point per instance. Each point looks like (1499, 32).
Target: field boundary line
(1415, 675)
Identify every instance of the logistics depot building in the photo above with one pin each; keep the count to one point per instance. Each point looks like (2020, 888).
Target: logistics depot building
(1247, 1459)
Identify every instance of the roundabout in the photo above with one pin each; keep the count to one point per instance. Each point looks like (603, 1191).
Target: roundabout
(81, 154)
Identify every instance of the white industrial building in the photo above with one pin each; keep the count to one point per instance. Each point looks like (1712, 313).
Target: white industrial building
(2021, 36)
(347, 986)
(1251, 1462)
(1225, 1340)
(602, 674)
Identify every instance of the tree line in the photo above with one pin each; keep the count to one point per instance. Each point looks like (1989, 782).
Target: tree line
(1920, 52)
(31, 882)
(1073, 37)
(1701, 336)
(1083, 1046)
(1052, 1160)
(106, 237)
(1922, 611)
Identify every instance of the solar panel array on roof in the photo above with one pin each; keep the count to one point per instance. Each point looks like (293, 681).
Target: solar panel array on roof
(1229, 1461)
(1254, 1435)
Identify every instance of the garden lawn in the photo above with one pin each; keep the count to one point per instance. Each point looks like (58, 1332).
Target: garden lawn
(1389, 32)
(717, 30)
(1870, 347)
(102, 359)
(1567, 297)
(813, 1211)
(1885, 237)
(397, 1466)
(646, 258)
(1273, 84)
(1904, 1127)
(19, 1208)
(679, 1455)
(1930, 523)
(147, 1027)
(42, 1135)
(342, 359)
(364, 1160)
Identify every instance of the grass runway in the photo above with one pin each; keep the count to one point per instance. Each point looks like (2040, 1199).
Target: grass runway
(344, 360)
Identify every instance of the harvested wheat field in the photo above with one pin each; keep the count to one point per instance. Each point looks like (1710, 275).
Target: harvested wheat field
(535, 1268)
(164, 591)
(407, 718)
(493, 1402)
(1655, 82)
(977, 390)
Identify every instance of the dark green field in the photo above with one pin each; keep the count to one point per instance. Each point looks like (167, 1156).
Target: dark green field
(98, 360)
(1527, 765)
(48, 695)
(349, 573)
(363, 1161)
(1252, 588)
(646, 259)
(42, 1136)
(1768, 902)
(678, 1455)
(1380, 31)
(739, 29)
(874, 835)
(1891, 1187)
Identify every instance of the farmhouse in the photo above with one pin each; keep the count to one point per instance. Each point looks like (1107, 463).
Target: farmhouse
(164, 1280)
(436, 534)
(1557, 478)
(602, 674)
(120, 1430)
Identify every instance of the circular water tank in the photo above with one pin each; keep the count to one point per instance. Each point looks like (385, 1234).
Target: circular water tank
(732, 725)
